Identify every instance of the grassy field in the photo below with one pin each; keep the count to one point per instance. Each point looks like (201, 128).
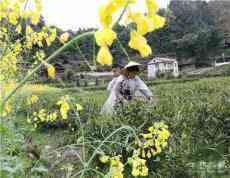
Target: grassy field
(197, 113)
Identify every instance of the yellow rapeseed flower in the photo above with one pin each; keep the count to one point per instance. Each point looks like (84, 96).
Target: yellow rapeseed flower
(144, 23)
(105, 37)
(51, 71)
(64, 107)
(79, 107)
(139, 43)
(104, 56)
(29, 30)
(139, 167)
(32, 100)
(105, 17)
(52, 116)
(112, 7)
(34, 18)
(136, 40)
(152, 7)
(18, 29)
(13, 18)
(51, 37)
(64, 37)
(145, 50)
(158, 21)
(116, 167)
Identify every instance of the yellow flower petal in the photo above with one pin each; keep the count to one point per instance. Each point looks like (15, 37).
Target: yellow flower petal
(105, 37)
(136, 40)
(139, 43)
(105, 17)
(145, 50)
(64, 37)
(144, 23)
(51, 71)
(79, 107)
(158, 21)
(152, 7)
(104, 56)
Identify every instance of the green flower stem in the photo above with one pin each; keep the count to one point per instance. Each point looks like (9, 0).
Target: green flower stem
(83, 57)
(123, 49)
(56, 53)
(107, 138)
(102, 143)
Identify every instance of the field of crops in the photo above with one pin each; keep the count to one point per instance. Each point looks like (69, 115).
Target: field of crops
(197, 115)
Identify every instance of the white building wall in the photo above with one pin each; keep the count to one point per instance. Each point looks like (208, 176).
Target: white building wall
(153, 68)
(152, 71)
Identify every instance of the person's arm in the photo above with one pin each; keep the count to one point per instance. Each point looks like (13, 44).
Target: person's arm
(109, 87)
(111, 84)
(142, 87)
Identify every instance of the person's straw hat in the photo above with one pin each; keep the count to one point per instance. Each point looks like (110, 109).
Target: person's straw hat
(132, 64)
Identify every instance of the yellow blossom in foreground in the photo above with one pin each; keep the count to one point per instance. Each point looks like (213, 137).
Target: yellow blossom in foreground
(51, 71)
(136, 40)
(105, 37)
(116, 167)
(144, 23)
(105, 17)
(104, 56)
(158, 21)
(64, 107)
(29, 30)
(34, 18)
(51, 37)
(112, 7)
(139, 43)
(145, 50)
(152, 7)
(79, 107)
(64, 37)
(139, 167)
(32, 100)
(52, 117)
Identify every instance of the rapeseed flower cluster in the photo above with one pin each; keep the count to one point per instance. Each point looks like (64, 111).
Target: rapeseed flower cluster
(13, 15)
(32, 100)
(46, 116)
(43, 116)
(147, 146)
(116, 166)
(64, 107)
(152, 142)
(145, 23)
(139, 167)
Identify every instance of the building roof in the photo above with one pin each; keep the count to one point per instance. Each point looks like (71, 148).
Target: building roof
(97, 74)
(158, 60)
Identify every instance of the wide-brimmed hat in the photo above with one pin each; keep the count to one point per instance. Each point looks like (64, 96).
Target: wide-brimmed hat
(132, 64)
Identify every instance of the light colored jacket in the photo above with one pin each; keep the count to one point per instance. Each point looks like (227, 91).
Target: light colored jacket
(135, 85)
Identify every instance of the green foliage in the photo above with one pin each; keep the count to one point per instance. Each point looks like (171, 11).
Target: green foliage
(197, 113)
